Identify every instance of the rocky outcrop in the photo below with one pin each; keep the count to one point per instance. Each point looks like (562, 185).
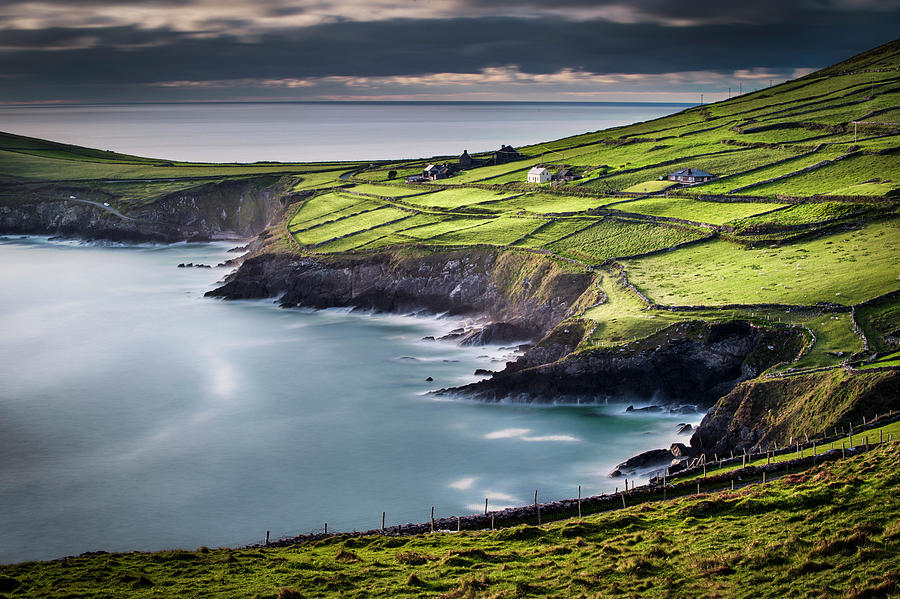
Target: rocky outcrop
(763, 412)
(231, 209)
(694, 362)
(522, 295)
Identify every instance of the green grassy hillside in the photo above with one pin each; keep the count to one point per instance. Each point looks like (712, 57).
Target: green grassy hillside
(831, 531)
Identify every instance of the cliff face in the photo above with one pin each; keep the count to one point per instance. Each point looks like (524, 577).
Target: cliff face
(222, 210)
(761, 412)
(529, 294)
(693, 362)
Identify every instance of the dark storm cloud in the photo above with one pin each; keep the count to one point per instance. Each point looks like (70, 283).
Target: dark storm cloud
(648, 36)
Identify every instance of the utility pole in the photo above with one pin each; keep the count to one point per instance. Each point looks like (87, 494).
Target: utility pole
(701, 99)
(729, 93)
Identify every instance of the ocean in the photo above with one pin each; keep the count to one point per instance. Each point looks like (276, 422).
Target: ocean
(250, 132)
(135, 414)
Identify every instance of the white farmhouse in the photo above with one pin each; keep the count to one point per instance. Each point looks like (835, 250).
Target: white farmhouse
(538, 174)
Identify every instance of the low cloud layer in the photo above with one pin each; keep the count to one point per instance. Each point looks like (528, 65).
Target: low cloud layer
(325, 49)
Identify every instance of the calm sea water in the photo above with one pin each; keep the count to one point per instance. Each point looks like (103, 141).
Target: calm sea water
(136, 414)
(324, 131)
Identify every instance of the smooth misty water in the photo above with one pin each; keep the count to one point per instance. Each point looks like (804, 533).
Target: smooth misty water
(248, 132)
(136, 414)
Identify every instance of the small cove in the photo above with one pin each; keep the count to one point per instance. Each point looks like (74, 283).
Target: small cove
(136, 414)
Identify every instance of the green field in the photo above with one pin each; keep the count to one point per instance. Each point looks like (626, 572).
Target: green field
(802, 214)
(458, 197)
(612, 238)
(650, 186)
(836, 176)
(498, 231)
(350, 224)
(547, 203)
(555, 230)
(717, 213)
(826, 269)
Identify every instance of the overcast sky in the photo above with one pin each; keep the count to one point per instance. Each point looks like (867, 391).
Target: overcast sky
(558, 50)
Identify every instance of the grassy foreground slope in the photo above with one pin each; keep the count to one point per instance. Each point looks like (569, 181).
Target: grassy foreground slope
(831, 531)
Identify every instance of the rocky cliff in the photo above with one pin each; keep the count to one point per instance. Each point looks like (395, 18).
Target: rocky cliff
(692, 362)
(522, 295)
(762, 412)
(230, 209)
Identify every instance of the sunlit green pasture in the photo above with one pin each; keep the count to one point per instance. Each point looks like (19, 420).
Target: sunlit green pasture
(803, 214)
(826, 269)
(545, 203)
(458, 197)
(838, 175)
(717, 213)
(349, 225)
(613, 238)
(555, 230)
(651, 186)
(497, 231)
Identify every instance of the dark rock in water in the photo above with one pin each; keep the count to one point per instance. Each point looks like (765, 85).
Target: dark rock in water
(181, 265)
(497, 332)
(615, 473)
(678, 450)
(676, 466)
(429, 379)
(428, 338)
(454, 334)
(646, 409)
(653, 457)
(483, 371)
(683, 410)
(242, 248)
(684, 429)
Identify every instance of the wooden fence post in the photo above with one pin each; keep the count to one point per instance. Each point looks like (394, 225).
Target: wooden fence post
(267, 537)
(382, 522)
(492, 522)
(326, 529)
(579, 501)
(485, 506)
(432, 518)
(698, 488)
(458, 524)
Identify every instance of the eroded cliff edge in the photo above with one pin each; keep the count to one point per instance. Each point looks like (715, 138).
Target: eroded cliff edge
(521, 295)
(230, 209)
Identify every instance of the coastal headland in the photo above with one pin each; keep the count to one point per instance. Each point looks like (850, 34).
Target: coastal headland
(766, 293)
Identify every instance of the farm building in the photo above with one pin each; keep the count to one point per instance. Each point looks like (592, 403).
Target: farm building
(690, 175)
(506, 154)
(466, 161)
(433, 172)
(538, 174)
(565, 175)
